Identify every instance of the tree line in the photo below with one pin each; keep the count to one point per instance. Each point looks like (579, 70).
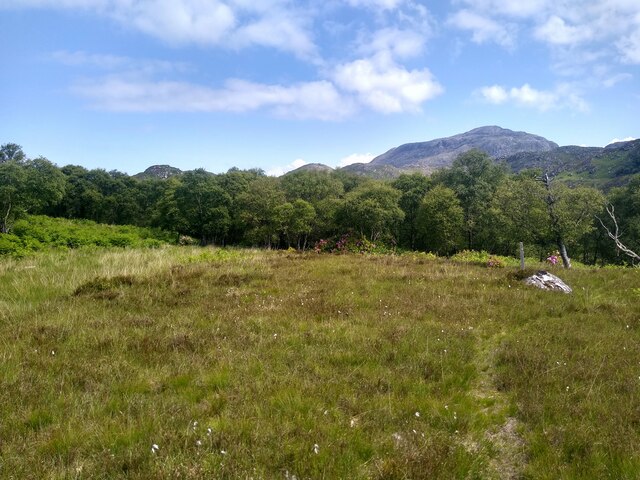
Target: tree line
(476, 204)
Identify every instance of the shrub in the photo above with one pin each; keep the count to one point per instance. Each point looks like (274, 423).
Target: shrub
(38, 232)
(351, 243)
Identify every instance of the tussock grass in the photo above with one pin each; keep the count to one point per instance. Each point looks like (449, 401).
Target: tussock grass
(251, 364)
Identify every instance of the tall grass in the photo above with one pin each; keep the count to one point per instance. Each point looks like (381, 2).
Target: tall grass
(248, 364)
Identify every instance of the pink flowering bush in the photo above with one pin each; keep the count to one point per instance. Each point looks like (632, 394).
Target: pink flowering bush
(349, 243)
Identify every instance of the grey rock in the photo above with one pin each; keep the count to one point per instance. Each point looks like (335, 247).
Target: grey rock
(161, 172)
(547, 281)
(430, 156)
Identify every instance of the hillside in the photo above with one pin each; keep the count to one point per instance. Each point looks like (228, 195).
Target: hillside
(599, 167)
(439, 153)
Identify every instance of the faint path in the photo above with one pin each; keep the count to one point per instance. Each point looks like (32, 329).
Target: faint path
(501, 443)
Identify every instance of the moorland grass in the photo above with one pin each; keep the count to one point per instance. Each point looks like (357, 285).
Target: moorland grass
(251, 364)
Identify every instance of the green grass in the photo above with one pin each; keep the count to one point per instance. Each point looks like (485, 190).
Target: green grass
(250, 364)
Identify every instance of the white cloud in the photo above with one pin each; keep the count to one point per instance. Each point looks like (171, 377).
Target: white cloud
(629, 47)
(556, 31)
(617, 140)
(563, 96)
(386, 87)
(356, 158)
(495, 94)
(178, 21)
(282, 31)
(615, 79)
(384, 4)
(281, 170)
(395, 42)
(223, 23)
(573, 29)
(116, 62)
(312, 100)
(483, 28)
(512, 8)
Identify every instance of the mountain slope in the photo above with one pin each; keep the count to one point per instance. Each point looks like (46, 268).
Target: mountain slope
(439, 153)
(598, 167)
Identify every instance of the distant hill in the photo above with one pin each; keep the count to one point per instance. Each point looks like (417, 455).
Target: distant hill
(312, 167)
(373, 171)
(158, 171)
(599, 167)
(433, 155)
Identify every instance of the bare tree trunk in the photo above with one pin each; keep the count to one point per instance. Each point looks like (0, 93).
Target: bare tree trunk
(5, 222)
(555, 223)
(566, 262)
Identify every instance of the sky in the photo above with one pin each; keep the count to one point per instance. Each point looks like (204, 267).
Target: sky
(274, 84)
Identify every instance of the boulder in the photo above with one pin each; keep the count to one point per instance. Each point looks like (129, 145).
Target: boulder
(547, 281)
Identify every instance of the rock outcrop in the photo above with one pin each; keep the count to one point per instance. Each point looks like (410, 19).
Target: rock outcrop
(547, 281)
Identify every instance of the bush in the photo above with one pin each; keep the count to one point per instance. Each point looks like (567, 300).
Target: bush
(350, 243)
(12, 245)
(39, 232)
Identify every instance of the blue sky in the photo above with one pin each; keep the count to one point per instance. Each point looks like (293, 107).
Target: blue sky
(273, 84)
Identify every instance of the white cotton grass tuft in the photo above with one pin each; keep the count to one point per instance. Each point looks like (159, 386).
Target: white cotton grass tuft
(155, 448)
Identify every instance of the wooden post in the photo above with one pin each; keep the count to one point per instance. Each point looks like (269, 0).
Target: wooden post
(521, 256)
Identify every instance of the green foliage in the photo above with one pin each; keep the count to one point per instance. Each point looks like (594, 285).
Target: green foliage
(413, 188)
(351, 243)
(11, 152)
(258, 211)
(204, 206)
(440, 221)
(372, 210)
(484, 259)
(474, 177)
(38, 232)
(245, 207)
(311, 187)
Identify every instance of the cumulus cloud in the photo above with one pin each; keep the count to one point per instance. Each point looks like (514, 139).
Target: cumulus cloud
(483, 28)
(557, 32)
(356, 158)
(563, 96)
(386, 87)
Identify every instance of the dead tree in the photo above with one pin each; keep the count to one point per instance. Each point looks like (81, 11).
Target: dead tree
(615, 235)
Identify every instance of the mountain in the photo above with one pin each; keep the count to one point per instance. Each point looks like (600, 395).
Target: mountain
(158, 171)
(599, 167)
(435, 154)
(312, 167)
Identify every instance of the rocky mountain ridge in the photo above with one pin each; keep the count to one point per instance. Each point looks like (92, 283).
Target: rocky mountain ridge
(602, 167)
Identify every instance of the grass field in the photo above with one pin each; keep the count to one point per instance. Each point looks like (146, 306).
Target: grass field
(203, 363)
